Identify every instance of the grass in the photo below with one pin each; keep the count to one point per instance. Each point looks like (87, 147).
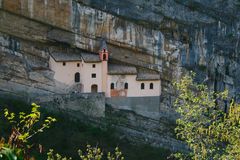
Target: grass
(68, 135)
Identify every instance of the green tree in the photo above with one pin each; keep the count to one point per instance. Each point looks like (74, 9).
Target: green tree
(210, 133)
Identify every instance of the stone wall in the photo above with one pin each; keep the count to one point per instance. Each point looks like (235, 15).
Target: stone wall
(88, 104)
(145, 106)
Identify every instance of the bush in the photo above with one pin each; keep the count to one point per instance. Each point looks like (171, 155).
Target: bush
(92, 153)
(24, 127)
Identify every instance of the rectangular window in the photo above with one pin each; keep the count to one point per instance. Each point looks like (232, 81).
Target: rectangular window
(78, 64)
(142, 85)
(94, 75)
(126, 86)
(94, 66)
(64, 63)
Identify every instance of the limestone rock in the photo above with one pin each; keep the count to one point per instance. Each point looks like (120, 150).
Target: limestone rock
(171, 36)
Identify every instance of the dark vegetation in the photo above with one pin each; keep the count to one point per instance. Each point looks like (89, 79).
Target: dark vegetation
(68, 135)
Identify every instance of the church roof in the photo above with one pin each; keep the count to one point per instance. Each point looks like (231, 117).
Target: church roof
(90, 57)
(64, 57)
(147, 75)
(118, 69)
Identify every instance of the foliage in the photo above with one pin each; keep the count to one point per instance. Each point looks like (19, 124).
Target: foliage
(24, 124)
(116, 156)
(52, 156)
(92, 153)
(24, 127)
(7, 153)
(209, 132)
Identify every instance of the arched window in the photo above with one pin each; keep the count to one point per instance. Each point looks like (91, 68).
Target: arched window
(142, 85)
(151, 86)
(112, 85)
(104, 57)
(77, 77)
(126, 86)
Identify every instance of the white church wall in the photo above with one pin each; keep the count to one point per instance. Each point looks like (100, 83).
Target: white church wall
(86, 76)
(65, 74)
(134, 87)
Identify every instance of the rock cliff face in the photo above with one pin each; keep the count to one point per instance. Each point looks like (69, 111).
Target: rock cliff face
(30, 30)
(198, 35)
(172, 36)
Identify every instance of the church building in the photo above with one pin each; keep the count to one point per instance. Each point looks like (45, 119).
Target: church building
(88, 72)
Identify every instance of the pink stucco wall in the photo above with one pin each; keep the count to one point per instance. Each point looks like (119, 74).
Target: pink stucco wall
(134, 87)
(66, 74)
(87, 79)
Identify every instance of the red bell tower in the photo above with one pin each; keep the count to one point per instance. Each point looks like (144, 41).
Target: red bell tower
(103, 52)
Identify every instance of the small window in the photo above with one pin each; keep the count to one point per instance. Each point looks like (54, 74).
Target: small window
(151, 86)
(104, 50)
(112, 85)
(94, 75)
(78, 64)
(94, 66)
(142, 85)
(64, 63)
(126, 86)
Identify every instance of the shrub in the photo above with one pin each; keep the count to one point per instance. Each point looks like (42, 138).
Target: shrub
(91, 153)
(24, 127)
